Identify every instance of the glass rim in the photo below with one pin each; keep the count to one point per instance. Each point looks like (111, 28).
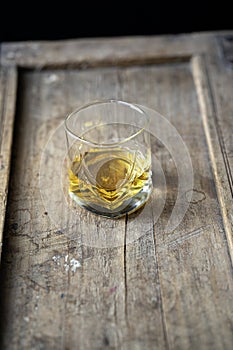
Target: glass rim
(106, 101)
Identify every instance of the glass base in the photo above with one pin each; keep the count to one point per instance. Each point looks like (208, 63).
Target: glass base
(128, 207)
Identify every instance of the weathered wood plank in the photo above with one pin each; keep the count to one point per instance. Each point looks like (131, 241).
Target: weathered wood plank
(216, 146)
(8, 87)
(221, 78)
(188, 257)
(106, 51)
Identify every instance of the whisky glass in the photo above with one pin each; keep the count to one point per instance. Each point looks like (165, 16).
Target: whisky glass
(109, 157)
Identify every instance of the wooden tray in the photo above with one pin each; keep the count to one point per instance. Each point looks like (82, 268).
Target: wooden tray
(162, 291)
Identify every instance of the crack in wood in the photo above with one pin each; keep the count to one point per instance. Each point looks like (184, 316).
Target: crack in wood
(125, 272)
(158, 284)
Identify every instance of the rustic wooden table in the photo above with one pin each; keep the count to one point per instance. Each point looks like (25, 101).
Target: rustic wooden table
(163, 290)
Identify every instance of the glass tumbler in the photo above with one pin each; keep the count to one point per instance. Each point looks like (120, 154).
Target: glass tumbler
(109, 157)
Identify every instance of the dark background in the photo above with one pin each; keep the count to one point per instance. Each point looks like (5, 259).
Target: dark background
(48, 21)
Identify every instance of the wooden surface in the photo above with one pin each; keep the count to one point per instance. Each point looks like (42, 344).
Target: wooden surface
(8, 86)
(163, 290)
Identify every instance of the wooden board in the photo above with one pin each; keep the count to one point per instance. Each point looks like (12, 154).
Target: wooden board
(164, 290)
(8, 87)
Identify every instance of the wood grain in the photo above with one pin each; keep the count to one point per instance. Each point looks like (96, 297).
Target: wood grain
(8, 86)
(83, 53)
(221, 78)
(214, 139)
(150, 289)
